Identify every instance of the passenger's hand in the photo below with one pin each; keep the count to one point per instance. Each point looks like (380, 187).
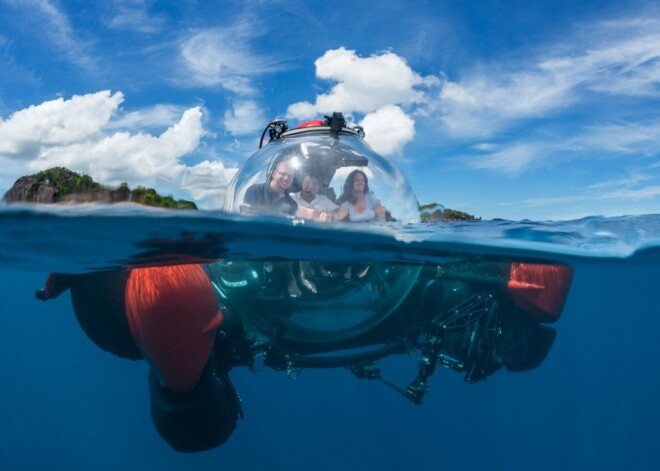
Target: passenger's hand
(325, 217)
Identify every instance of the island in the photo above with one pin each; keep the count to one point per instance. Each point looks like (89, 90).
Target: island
(435, 212)
(61, 185)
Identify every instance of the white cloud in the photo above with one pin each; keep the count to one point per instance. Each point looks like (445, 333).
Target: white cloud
(364, 84)
(122, 156)
(628, 188)
(631, 180)
(74, 134)
(55, 31)
(377, 87)
(134, 15)
(621, 138)
(620, 202)
(388, 129)
(616, 191)
(207, 183)
(612, 58)
(245, 117)
(56, 123)
(629, 194)
(544, 202)
(485, 146)
(480, 106)
(512, 160)
(638, 141)
(222, 57)
(157, 116)
(621, 57)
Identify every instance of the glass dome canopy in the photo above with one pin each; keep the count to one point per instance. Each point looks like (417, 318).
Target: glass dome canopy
(336, 302)
(330, 154)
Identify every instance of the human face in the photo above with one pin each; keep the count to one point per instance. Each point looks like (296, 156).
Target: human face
(310, 186)
(359, 183)
(282, 177)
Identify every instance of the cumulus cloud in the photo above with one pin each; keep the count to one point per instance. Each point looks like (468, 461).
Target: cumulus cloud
(388, 129)
(364, 84)
(56, 123)
(378, 87)
(207, 183)
(74, 134)
(245, 117)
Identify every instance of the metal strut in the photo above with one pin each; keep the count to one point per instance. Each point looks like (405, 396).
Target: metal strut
(275, 129)
(336, 122)
(480, 314)
(480, 358)
(463, 316)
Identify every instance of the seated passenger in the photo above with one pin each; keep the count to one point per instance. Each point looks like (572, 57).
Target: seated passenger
(309, 197)
(360, 204)
(273, 197)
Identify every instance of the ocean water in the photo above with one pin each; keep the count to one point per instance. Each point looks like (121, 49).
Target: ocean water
(594, 403)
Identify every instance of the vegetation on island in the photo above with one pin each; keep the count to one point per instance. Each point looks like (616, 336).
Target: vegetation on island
(61, 185)
(435, 212)
(149, 197)
(64, 181)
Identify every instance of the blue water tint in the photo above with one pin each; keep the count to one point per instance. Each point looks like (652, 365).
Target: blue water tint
(592, 404)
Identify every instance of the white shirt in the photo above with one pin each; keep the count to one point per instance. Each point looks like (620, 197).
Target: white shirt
(320, 202)
(367, 215)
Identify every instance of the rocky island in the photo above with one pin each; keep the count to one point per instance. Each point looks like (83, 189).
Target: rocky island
(61, 185)
(435, 212)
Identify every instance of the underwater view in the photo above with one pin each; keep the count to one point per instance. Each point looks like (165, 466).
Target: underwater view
(589, 404)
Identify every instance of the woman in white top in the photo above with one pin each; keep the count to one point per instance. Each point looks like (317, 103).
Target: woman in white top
(360, 204)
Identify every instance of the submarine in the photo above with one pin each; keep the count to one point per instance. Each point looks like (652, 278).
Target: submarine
(194, 323)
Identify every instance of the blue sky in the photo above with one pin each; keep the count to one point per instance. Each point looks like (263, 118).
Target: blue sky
(511, 109)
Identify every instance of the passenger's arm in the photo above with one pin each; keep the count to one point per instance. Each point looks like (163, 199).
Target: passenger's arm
(249, 206)
(340, 213)
(380, 211)
(307, 213)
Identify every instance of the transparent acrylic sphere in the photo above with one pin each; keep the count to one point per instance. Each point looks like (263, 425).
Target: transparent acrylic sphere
(349, 299)
(330, 157)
